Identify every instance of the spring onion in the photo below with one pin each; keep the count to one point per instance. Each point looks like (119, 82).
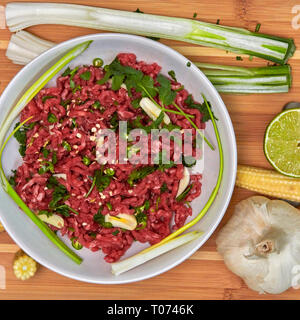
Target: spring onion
(169, 242)
(226, 79)
(22, 15)
(232, 79)
(24, 47)
(12, 114)
(146, 255)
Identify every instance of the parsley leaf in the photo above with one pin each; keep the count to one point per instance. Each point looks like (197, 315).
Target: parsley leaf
(201, 107)
(166, 95)
(85, 75)
(12, 178)
(100, 218)
(117, 80)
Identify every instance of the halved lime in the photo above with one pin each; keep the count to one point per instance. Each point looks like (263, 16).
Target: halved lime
(282, 142)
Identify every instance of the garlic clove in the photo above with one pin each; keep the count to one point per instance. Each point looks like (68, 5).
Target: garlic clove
(60, 175)
(122, 220)
(123, 85)
(184, 182)
(152, 110)
(55, 220)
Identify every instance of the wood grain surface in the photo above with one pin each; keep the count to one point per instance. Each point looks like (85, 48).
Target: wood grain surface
(204, 275)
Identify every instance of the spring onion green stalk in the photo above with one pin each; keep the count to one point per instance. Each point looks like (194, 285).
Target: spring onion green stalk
(23, 47)
(146, 255)
(28, 95)
(231, 79)
(22, 15)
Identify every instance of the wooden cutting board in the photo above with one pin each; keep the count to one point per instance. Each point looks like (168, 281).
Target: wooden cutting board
(204, 275)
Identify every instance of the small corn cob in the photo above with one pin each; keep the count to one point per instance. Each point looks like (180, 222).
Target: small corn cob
(1, 228)
(24, 267)
(268, 182)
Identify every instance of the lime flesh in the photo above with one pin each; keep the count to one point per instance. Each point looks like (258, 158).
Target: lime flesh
(282, 142)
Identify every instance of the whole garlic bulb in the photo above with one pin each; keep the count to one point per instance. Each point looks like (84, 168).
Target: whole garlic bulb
(261, 243)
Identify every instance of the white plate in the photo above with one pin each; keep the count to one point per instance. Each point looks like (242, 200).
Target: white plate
(94, 269)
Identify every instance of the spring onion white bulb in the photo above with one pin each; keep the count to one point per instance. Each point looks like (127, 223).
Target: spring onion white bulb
(151, 253)
(24, 47)
(26, 14)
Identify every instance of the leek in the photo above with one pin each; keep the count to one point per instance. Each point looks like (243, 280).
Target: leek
(12, 114)
(23, 47)
(146, 255)
(22, 15)
(160, 247)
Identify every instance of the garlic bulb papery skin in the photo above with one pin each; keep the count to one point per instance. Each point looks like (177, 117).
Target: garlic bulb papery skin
(261, 244)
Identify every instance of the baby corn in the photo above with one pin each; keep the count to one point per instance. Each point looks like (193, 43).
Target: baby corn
(268, 182)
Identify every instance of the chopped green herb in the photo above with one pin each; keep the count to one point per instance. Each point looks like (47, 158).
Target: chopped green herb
(96, 105)
(257, 27)
(45, 167)
(163, 188)
(46, 212)
(195, 15)
(86, 160)
(141, 216)
(54, 157)
(66, 145)
(117, 80)
(72, 84)
(46, 98)
(85, 75)
(66, 72)
(21, 136)
(91, 188)
(136, 103)
(74, 124)
(157, 203)
(102, 182)
(172, 74)
(64, 103)
(140, 173)
(138, 11)
(52, 118)
(166, 94)
(45, 152)
(116, 232)
(114, 121)
(201, 107)
(100, 218)
(93, 235)
(218, 21)
(109, 206)
(239, 58)
(12, 178)
(188, 64)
